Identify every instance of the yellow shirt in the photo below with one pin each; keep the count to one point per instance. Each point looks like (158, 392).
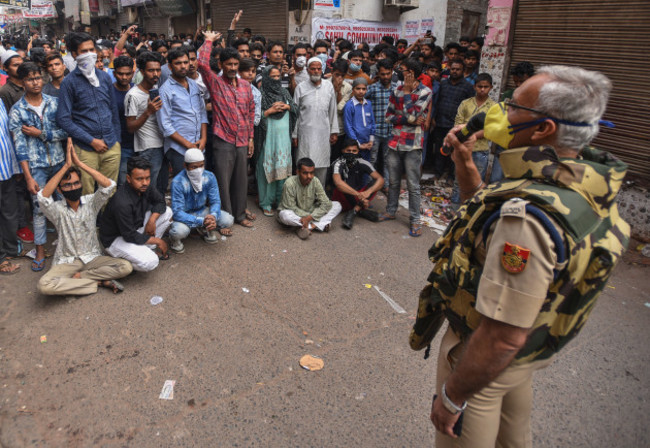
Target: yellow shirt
(467, 110)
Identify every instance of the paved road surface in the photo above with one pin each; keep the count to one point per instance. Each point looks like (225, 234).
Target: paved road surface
(234, 355)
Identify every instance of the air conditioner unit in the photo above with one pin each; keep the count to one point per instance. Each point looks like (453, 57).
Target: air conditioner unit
(403, 3)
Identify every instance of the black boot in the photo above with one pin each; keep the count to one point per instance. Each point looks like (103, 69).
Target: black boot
(349, 218)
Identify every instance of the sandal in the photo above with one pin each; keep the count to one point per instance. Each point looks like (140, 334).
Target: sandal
(250, 216)
(245, 223)
(114, 285)
(416, 229)
(38, 265)
(385, 217)
(225, 231)
(268, 213)
(9, 268)
(162, 257)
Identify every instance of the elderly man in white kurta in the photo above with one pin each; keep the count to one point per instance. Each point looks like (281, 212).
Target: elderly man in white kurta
(317, 126)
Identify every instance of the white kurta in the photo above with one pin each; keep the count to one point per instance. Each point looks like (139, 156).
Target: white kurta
(317, 120)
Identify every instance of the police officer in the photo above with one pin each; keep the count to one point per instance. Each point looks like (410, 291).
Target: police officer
(518, 271)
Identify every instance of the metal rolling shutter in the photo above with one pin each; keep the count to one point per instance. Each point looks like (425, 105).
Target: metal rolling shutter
(266, 17)
(608, 36)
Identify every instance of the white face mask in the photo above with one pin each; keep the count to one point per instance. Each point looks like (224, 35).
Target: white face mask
(86, 63)
(196, 179)
(301, 61)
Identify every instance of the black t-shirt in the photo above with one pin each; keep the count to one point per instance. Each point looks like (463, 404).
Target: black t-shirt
(353, 175)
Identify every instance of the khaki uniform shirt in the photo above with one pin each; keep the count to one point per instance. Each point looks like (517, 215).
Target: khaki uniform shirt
(519, 259)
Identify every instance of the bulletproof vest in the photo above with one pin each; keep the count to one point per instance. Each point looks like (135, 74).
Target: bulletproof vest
(580, 196)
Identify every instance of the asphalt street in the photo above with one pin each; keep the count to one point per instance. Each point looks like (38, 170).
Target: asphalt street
(235, 320)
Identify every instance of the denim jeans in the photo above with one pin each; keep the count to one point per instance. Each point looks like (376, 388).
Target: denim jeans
(380, 146)
(41, 176)
(127, 153)
(180, 231)
(155, 157)
(408, 162)
(480, 159)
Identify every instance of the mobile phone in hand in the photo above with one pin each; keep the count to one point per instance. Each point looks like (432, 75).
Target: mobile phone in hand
(153, 94)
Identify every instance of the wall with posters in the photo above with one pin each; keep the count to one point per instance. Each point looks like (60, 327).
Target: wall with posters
(494, 54)
(356, 31)
(428, 11)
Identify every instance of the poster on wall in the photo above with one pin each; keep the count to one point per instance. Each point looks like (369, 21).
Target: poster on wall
(356, 31)
(498, 22)
(16, 3)
(411, 30)
(41, 9)
(327, 5)
(426, 25)
(492, 60)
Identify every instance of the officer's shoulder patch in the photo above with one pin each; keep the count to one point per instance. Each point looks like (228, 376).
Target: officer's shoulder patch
(514, 258)
(515, 208)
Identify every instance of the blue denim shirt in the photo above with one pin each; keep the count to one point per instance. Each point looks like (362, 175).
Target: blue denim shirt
(46, 150)
(182, 111)
(186, 201)
(87, 112)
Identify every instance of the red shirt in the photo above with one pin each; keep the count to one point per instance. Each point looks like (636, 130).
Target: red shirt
(233, 107)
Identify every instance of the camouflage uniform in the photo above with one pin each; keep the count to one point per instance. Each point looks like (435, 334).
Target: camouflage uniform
(533, 251)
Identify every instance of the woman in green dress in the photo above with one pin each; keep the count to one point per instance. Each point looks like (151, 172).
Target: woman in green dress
(279, 115)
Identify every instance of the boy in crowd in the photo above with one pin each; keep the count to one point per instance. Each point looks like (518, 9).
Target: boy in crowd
(359, 120)
(352, 189)
(37, 139)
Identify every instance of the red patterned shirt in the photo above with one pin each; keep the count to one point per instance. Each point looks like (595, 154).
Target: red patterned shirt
(233, 107)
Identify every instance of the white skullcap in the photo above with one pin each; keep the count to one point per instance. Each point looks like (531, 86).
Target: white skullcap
(7, 55)
(314, 59)
(194, 155)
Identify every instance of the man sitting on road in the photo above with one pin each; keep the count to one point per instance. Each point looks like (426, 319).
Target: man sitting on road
(353, 188)
(79, 266)
(304, 203)
(196, 204)
(135, 219)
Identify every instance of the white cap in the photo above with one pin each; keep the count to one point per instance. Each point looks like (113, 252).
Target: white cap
(7, 55)
(194, 155)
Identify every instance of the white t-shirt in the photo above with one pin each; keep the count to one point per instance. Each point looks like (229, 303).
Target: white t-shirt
(149, 135)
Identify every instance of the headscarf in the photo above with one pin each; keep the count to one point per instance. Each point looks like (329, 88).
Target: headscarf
(272, 91)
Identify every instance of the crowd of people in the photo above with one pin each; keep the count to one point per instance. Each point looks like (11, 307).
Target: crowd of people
(206, 120)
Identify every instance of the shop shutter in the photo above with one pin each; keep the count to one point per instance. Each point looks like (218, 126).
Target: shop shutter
(153, 21)
(608, 36)
(266, 17)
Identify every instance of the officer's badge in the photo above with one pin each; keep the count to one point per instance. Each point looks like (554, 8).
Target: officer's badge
(514, 258)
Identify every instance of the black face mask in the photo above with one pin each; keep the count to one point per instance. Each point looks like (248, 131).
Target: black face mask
(400, 75)
(349, 157)
(72, 195)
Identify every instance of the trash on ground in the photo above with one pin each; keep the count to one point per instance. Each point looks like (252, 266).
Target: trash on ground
(611, 287)
(390, 301)
(167, 392)
(284, 251)
(155, 300)
(361, 396)
(647, 304)
(223, 238)
(646, 251)
(309, 362)
(246, 290)
(368, 285)
(308, 341)
(43, 339)
(31, 254)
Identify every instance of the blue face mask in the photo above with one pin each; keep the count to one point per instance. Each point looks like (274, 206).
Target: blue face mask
(323, 59)
(355, 67)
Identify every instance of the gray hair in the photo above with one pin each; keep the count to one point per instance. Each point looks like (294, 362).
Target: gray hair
(574, 94)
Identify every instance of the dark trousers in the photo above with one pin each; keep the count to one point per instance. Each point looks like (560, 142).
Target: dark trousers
(8, 218)
(21, 197)
(230, 168)
(441, 164)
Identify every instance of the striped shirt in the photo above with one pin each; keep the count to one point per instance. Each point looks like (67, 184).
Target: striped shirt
(8, 163)
(378, 95)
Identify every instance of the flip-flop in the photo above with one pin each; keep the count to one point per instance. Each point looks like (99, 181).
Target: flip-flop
(228, 231)
(268, 213)
(385, 217)
(40, 264)
(246, 223)
(113, 285)
(416, 230)
(9, 268)
(250, 216)
(163, 257)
